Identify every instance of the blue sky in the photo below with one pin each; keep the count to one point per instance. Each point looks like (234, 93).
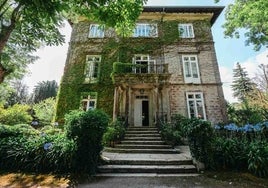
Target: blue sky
(229, 51)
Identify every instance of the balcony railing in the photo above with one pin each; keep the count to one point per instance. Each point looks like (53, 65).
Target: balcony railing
(125, 68)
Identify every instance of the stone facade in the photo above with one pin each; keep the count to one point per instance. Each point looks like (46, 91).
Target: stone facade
(156, 86)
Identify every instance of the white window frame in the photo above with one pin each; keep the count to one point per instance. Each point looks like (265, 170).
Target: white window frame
(96, 31)
(87, 102)
(191, 69)
(197, 98)
(145, 30)
(186, 30)
(92, 67)
(138, 58)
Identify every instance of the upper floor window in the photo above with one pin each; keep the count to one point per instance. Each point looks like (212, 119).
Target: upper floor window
(96, 31)
(145, 30)
(190, 69)
(195, 105)
(143, 64)
(89, 101)
(186, 30)
(92, 67)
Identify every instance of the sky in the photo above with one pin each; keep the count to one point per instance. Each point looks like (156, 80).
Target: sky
(51, 63)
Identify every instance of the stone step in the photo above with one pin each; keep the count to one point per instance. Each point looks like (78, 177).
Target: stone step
(147, 169)
(141, 132)
(138, 142)
(149, 162)
(132, 146)
(127, 135)
(152, 151)
(146, 175)
(143, 138)
(142, 129)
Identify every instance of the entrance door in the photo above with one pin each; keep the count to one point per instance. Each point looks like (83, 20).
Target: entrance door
(141, 111)
(145, 113)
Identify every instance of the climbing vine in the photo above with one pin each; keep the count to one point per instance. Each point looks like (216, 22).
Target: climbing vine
(115, 49)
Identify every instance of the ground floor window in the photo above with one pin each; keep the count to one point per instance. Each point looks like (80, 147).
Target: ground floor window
(89, 101)
(195, 105)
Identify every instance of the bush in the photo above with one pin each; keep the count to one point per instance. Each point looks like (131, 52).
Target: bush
(86, 129)
(258, 158)
(200, 136)
(170, 134)
(114, 133)
(44, 111)
(14, 115)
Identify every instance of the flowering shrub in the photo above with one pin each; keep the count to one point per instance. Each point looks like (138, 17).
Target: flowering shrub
(238, 147)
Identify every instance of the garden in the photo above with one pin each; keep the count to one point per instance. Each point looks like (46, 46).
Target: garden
(222, 147)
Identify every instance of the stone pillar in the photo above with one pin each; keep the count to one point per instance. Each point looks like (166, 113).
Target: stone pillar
(115, 110)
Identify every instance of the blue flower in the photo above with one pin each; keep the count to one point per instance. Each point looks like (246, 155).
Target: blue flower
(217, 127)
(248, 128)
(231, 127)
(42, 134)
(48, 146)
(34, 123)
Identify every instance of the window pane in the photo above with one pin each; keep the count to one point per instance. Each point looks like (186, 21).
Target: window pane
(91, 105)
(96, 31)
(194, 70)
(187, 69)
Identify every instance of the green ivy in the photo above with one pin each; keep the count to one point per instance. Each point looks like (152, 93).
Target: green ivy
(116, 50)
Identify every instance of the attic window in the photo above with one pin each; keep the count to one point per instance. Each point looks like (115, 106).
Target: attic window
(96, 31)
(186, 30)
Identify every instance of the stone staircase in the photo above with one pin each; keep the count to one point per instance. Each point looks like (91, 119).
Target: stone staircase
(143, 152)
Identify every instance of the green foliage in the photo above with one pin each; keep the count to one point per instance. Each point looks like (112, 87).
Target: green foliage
(250, 15)
(242, 116)
(115, 132)
(34, 151)
(200, 136)
(258, 158)
(171, 134)
(15, 114)
(44, 90)
(45, 110)
(86, 129)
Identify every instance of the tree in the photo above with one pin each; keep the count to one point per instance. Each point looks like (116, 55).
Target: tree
(251, 15)
(19, 94)
(31, 23)
(242, 85)
(44, 90)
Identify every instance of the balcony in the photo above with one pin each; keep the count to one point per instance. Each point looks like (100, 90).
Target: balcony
(140, 73)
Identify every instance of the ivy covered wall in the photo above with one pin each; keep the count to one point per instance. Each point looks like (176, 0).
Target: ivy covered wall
(114, 49)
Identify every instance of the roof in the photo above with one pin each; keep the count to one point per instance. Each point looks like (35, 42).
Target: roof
(216, 10)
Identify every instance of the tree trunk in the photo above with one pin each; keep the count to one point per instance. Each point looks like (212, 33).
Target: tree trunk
(3, 73)
(4, 36)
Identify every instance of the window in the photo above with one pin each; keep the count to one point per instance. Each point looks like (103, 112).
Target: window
(190, 69)
(89, 101)
(95, 31)
(144, 64)
(92, 68)
(145, 30)
(195, 104)
(186, 30)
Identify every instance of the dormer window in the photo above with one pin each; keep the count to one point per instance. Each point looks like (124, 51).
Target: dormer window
(186, 30)
(96, 31)
(145, 30)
